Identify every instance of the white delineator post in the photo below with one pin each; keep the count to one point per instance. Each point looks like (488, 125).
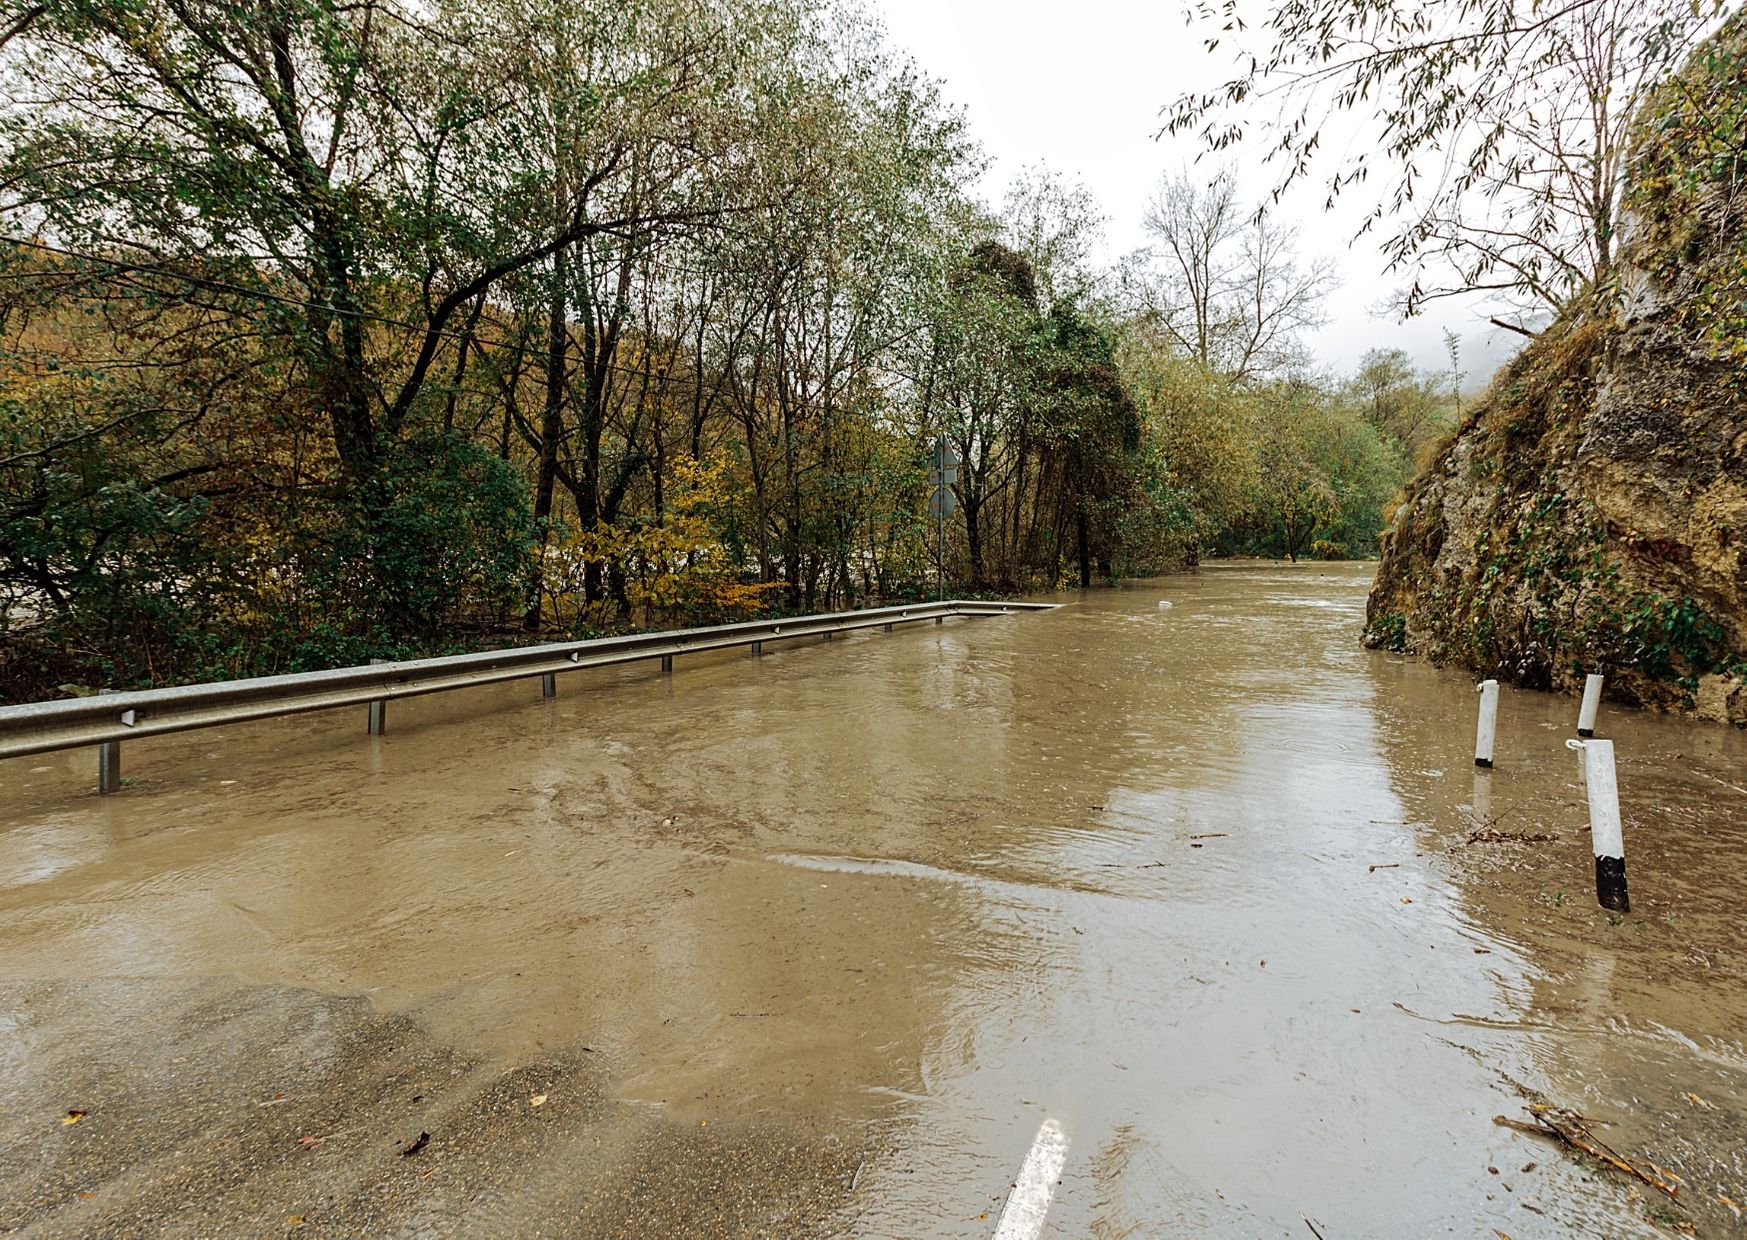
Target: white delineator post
(1487, 729)
(1605, 836)
(1591, 704)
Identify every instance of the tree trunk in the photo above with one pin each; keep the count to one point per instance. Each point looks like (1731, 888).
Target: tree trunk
(1080, 533)
(551, 429)
(973, 536)
(340, 379)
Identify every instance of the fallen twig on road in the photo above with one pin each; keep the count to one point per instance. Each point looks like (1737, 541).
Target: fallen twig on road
(1571, 1129)
(1489, 836)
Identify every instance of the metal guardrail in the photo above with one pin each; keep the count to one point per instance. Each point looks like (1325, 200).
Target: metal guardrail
(108, 719)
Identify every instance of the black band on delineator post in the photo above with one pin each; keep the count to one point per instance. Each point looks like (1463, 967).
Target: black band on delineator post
(1586, 732)
(1485, 762)
(1610, 884)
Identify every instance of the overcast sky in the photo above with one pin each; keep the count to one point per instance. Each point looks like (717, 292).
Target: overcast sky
(1079, 88)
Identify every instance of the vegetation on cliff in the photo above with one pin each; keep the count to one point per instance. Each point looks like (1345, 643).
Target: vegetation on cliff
(1589, 514)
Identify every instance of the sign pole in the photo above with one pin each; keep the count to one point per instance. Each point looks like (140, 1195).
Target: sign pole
(940, 551)
(942, 473)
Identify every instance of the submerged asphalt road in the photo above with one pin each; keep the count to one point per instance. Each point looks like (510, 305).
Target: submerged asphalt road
(1176, 889)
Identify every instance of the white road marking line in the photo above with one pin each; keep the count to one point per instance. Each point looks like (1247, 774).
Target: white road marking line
(1022, 1217)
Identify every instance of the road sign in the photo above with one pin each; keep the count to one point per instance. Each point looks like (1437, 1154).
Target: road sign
(943, 477)
(942, 504)
(944, 457)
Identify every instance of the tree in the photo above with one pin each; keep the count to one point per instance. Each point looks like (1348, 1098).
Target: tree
(1455, 374)
(986, 334)
(337, 330)
(1294, 494)
(1500, 125)
(1092, 422)
(1057, 225)
(1225, 282)
(1397, 400)
(1199, 432)
(1365, 468)
(249, 152)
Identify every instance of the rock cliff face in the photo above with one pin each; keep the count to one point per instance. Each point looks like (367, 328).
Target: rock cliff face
(1591, 513)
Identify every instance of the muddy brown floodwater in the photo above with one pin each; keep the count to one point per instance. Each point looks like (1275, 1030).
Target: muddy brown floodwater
(815, 944)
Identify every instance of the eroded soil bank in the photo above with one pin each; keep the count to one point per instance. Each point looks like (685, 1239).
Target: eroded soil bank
(814, 943)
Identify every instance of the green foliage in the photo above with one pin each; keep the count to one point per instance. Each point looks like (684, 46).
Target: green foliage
(1691, 144)
(1666, 639)
(1322, 475)
(1387, 632)
(442, 537)
(1400, 402)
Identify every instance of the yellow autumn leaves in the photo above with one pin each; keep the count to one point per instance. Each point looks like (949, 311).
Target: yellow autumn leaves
(674, 562)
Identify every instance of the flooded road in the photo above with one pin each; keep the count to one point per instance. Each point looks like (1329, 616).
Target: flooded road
(1176, 881)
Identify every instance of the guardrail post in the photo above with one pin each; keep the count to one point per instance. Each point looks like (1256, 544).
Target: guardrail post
(109, 757)
(548, 685)
(378, 710)
(757, 648)
(938, 619)
(109, 767)
(667, 665)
